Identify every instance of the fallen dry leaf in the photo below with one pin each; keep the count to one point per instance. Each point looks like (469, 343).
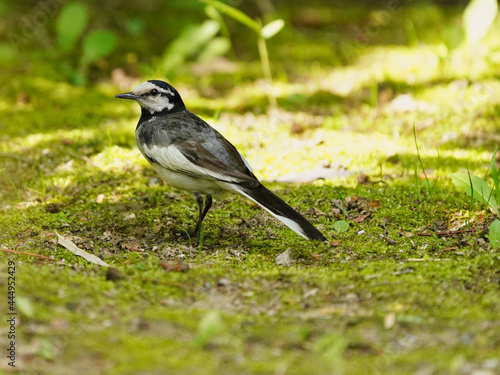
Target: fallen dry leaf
(361, 218)
(77, 251)
(175, 267)
(405, 234)
(131, 246)
(362, 179)
(375, 204)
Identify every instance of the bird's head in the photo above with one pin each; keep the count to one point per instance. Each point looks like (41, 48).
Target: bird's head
(155, 97)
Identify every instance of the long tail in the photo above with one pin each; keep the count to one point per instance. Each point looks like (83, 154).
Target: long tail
(282, 211)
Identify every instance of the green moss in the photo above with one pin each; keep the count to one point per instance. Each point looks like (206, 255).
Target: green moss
(395, 295)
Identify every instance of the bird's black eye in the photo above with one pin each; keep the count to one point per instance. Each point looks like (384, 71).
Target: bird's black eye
(154, 92)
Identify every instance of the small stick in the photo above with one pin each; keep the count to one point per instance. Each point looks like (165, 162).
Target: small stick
(425, 260)
(34, 255)
(389, 240)
(448, 233)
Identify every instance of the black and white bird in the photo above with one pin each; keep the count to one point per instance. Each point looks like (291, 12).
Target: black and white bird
(191, 155)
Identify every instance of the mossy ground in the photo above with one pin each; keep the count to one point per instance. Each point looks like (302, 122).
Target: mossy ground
(385, 299)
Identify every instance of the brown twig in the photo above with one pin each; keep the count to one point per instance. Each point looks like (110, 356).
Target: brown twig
(448, 233)
(34, 255)
(389, 240)
(425, 259)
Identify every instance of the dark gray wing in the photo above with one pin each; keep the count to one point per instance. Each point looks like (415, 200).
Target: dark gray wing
(202, 145)
(201, 157)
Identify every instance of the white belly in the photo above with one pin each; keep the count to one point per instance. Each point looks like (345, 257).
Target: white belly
(184, 182)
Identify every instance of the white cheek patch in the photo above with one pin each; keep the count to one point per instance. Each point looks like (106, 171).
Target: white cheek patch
(155, 104)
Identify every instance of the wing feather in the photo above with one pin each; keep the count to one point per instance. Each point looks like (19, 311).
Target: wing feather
(192, 159)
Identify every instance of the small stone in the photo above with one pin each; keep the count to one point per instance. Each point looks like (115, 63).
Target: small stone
(223, 282)
(153, 181)
(100, 198)
(390, 320)
(129, 217)
(112, 274)
(285, 258)
(482, 372)
(52, 208)
(491, 363)
(362, 179)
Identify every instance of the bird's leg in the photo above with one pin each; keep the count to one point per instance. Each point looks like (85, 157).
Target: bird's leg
(202, 211)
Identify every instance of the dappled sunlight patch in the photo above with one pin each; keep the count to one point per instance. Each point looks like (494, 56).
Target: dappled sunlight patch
(117, 158)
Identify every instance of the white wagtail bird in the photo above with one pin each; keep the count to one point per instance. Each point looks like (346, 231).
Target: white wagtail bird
(191, 155)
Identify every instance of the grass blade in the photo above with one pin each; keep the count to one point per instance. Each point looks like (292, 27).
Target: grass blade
(420, 159)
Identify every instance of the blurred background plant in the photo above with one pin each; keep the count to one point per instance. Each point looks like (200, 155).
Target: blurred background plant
(84, 41)
(463, 38)
(71, 24)
(263, 32)
(198, 42)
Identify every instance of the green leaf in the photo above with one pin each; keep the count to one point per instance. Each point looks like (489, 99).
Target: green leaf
(478, 18)
(7, 54)
(46, 349)
(135, 26)
(272, 28)
(70, 25)
(215, 48)
(76, 78)
(477, 188)
(24, 306)
(209, 326)
(97, 44)
(191, 40)
(235, 14)
(213, 13)
(341, 226)
(330, 348)
(452, 36)
(494, 173)
(494, 234)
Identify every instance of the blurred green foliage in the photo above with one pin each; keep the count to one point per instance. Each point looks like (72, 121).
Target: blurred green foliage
(70, 27)
(197, 41)
(85, 40)
(263, 33)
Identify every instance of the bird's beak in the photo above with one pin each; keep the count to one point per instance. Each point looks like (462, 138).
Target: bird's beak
(127, 95)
